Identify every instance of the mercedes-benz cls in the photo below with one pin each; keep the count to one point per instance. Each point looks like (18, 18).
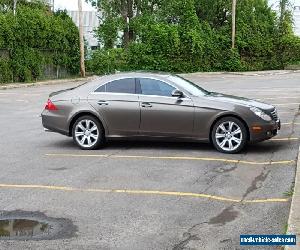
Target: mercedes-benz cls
(157, 106)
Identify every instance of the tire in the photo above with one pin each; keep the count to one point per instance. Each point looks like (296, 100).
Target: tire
(229, 135)
(88, 133)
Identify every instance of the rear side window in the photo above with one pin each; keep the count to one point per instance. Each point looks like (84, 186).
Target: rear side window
(126, 86)
(155, 87)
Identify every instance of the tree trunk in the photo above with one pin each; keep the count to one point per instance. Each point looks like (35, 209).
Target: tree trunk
(130, 16)
(124, 12)
(233, 22)
(82, 65)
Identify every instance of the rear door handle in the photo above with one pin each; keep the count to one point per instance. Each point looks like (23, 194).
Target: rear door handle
(102, 103)
(146, 105)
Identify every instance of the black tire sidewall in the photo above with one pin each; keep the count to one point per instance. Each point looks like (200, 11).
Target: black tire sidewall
(101, 139)
(244, 134)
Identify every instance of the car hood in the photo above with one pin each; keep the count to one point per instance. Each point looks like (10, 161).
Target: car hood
(239, 101)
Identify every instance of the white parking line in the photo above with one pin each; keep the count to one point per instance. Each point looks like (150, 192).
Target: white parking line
(286, 104)
(279, 97)
(290, 123)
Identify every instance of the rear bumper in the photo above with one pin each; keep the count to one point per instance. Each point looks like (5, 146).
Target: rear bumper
(54, 123)
(267, 131)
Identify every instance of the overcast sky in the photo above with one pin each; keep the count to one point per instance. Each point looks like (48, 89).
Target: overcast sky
(71, 5)
(276, 2)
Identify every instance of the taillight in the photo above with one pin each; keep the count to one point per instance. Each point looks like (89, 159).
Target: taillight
(50, 105)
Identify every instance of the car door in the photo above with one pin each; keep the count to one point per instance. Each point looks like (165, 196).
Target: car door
(162, 114)
(118, 105)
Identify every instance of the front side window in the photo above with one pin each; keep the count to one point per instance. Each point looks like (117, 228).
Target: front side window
(155, 87)
(126, 86)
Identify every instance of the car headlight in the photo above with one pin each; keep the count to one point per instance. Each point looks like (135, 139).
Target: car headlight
(261, 114)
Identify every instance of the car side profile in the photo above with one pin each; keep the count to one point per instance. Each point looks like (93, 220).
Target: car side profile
(157, 105)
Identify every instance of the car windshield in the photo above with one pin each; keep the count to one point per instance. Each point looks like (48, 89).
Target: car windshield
(189, 86)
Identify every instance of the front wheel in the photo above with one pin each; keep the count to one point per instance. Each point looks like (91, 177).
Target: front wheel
(88, 133)
(229, 135)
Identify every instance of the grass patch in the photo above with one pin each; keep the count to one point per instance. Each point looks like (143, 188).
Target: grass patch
(290, 192)
(285, 228)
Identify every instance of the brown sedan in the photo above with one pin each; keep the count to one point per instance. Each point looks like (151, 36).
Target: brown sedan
(162, 106)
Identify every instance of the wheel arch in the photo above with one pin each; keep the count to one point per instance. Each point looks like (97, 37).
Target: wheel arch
(229, 115)
(84, 113)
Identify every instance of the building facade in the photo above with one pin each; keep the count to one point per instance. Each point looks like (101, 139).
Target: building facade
(295, 8)
(90, 23)
(297, 19)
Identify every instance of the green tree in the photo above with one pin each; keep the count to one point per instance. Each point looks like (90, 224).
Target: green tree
(194, 35)
(35, 38)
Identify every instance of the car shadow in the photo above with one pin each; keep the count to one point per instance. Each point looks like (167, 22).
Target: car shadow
(263, 147)
(139, 144)
(63, 144)
(159, 145)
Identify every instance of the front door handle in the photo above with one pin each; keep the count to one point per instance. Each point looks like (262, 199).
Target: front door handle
(102, 103)
(146, 105)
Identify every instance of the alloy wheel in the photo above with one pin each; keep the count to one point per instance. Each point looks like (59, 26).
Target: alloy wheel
(86, 133)
(229, 136)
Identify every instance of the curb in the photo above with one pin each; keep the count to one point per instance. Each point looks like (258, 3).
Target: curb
(294, 217)
(246, 73)
(32, 84)
(266, 73)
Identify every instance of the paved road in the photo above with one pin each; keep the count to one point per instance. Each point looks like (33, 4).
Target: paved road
(145, 195)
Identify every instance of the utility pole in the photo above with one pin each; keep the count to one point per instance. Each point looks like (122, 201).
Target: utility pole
(15, 7)
(82, 65)
(233, 23)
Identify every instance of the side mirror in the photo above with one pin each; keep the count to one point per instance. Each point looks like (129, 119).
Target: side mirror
(177, 93)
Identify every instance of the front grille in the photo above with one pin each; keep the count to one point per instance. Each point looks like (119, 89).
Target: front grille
(274, 115)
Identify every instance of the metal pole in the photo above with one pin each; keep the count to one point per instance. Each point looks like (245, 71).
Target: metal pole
(233, 23)
(15, 7)
(82, 65)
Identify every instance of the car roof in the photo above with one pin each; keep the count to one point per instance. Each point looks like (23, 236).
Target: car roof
(97, 81)
(144, 73)
(135, 74)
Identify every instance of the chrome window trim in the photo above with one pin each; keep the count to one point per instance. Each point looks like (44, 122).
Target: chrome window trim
(112, 93)
(187, 97)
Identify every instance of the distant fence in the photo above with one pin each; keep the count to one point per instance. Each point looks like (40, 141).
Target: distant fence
(49, 70)
(4, 53)
(55, 72)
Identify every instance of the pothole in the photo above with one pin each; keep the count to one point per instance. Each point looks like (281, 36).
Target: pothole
(22, 225)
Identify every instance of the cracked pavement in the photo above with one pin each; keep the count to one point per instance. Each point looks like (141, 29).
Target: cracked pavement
(141, 221)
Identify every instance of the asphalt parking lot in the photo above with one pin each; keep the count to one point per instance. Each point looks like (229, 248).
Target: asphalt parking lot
(150, 195)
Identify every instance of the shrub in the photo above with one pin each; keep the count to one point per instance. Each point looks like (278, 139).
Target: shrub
(35, 38)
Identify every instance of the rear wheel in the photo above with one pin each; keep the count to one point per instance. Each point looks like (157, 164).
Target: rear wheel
(229, 135)
(88, 133)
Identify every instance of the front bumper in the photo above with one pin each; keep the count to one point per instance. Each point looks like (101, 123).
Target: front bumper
(262, 132)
